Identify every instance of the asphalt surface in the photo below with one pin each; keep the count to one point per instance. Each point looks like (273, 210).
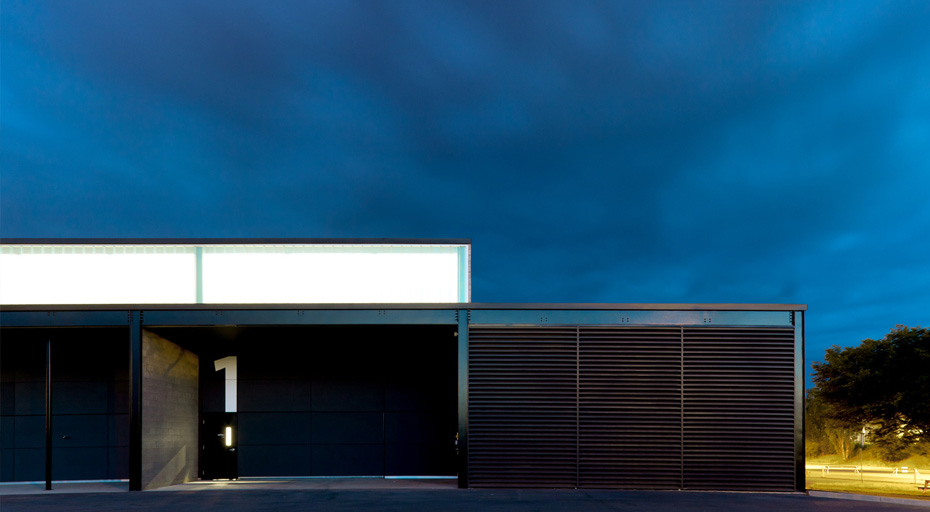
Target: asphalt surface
(380, 495)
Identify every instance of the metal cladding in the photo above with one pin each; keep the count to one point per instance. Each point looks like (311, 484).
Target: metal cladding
(667, 407)
(738, 396)
(522, 407)
(630, 408)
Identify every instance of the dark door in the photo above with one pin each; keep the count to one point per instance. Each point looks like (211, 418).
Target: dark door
(219, 437)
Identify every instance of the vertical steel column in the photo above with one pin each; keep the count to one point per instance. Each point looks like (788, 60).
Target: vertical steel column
(577, 407)
(198, 258)
(681, 390)
(135, 401)
(464, 292)
(463, 398)
(48, 415)
(800, 479)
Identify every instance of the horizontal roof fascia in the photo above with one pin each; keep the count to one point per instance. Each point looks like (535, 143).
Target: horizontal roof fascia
(235, 241)
(403, 314)
(401, 306)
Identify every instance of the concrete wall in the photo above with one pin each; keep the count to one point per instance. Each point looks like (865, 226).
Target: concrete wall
(170, 412)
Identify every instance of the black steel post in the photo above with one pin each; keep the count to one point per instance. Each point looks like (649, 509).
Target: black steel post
(48, 415)
(463, 399)
(135, 401)
(800, 479)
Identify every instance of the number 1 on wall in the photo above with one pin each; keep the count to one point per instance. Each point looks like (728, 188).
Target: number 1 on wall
(229, 364)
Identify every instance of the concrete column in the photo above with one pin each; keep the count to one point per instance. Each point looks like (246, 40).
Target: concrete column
(170, 412)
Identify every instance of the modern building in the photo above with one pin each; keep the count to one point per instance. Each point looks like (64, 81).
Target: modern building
(164, 361)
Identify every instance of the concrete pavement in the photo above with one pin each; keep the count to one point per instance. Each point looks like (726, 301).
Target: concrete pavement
(341, 495)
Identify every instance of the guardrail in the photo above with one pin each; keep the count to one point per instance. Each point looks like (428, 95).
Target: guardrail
(826, 469)
(901, 474)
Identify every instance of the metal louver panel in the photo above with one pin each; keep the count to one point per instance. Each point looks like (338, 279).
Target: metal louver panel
(522, 407)
(647, 407)
(630, 408)
(739, 409)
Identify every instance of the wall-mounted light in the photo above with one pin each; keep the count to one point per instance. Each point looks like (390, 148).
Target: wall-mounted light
(228, 436)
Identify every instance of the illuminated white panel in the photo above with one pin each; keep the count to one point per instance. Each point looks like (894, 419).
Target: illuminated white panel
(332, 274)
(230, 274)
(95, 274)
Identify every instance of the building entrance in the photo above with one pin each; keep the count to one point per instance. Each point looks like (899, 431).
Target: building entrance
(342, 400)
(219, 433)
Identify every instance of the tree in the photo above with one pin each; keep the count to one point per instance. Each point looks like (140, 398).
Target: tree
(823, 433)
(881, 383)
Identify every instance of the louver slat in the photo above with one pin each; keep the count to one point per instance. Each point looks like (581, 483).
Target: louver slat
(630, 408)
(739, 409)
(522, 407)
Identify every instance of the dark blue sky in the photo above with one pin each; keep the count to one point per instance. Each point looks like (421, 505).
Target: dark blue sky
(652, 151)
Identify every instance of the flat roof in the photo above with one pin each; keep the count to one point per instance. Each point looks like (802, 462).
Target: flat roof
(235, 241)
(402, 306)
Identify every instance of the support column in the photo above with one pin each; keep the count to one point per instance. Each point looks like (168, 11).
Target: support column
(800, 479)
(48, 415)
(463, 398)
(198, 256)
(135, 400)
(170, 412)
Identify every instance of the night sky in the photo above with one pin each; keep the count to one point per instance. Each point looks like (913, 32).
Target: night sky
(625, 152)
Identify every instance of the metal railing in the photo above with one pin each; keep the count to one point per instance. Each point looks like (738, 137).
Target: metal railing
(902, 475)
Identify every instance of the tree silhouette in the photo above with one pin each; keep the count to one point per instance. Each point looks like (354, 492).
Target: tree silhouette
(884, 384)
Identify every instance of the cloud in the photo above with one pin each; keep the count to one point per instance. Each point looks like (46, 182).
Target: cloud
(594, 151)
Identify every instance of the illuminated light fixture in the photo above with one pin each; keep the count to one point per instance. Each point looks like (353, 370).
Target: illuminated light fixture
(228, 436)
(336, 275)
(75, 274)
(234, 273)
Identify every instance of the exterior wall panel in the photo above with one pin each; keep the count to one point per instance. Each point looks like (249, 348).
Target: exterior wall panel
(630, 407)
(523, 407)
(88, 417)
(675, 407)
(739, 409)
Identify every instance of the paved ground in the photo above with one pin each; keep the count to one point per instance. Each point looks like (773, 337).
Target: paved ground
(335, 495)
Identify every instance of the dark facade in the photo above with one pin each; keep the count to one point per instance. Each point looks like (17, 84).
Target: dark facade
(633, 407)
(339, 400)
(90, 406)
(573, 396)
